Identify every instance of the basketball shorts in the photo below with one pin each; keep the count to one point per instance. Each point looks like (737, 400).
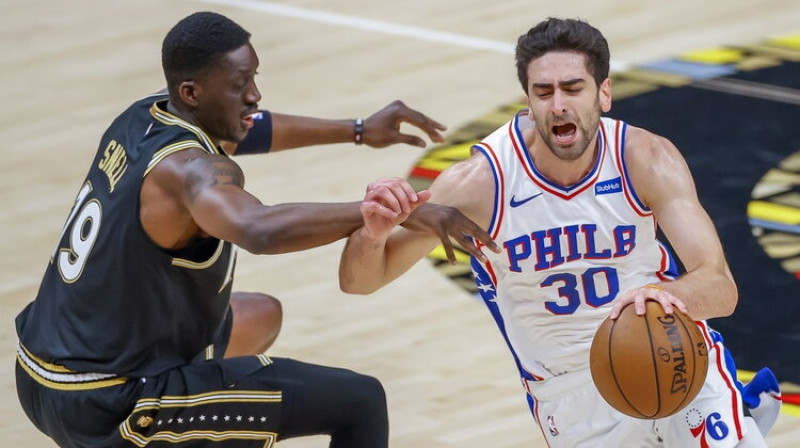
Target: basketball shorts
(245, 402)
(572, 414)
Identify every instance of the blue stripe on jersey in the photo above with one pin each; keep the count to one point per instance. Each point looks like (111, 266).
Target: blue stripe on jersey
(624, 167)
(488, 293)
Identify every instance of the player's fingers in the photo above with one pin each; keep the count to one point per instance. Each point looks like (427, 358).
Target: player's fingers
(412, 140)
(379, 209)
(423, 196)
(403, 194)
(468, 245)
(620, 303)
(638, 304)
(448, 249)
(484, 238)
(407, 189)
(391, 196)
(681, 306)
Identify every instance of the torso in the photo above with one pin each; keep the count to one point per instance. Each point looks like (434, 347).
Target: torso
(112, 300)
(568, 251)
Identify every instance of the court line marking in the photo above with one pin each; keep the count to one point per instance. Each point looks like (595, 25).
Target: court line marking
(751, 89)
(379, 26)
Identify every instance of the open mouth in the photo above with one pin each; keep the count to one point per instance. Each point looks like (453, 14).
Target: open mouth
(565, 133)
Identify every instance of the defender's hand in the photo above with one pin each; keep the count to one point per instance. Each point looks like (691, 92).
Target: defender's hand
(448, 224)
(388, 202)
(383, 127)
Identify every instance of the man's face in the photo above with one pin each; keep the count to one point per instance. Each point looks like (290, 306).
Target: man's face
(227, 95)
(565, 102)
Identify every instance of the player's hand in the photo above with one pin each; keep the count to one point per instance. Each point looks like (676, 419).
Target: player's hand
(639, 295)
(387, 203)
(383, 127)
(449, 224)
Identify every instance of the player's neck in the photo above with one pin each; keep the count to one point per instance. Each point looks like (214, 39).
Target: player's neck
(560, 171)
(189, 117)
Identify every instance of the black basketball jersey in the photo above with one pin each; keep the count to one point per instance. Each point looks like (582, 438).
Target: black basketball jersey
(111, 300)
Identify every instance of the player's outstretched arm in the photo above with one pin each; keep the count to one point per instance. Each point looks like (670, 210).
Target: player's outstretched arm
(276, 131)
(204, 193)
(663, 181)
(379, 252)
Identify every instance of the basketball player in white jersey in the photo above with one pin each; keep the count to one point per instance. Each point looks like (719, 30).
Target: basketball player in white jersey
(573, 202)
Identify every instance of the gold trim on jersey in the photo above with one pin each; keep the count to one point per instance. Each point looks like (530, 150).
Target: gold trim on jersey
(168, 150)
(59, 377)
(172, 120)
(189, 264)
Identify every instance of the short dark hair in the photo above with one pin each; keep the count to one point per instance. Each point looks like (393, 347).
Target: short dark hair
(553, 34)
(196, 43)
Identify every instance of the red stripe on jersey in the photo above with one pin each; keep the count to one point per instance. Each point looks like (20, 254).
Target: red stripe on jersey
(500, 198)
(735, 399)
(627, 189)
(664, 265)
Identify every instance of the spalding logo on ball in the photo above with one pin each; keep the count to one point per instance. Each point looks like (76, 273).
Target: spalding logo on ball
(649, 366)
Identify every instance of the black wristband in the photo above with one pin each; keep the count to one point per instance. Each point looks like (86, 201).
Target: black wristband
(358, 131)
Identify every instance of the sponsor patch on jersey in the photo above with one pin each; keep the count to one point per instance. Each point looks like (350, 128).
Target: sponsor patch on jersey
(608, 186)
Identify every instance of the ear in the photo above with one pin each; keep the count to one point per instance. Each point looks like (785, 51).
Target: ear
(189, 92)
(605, 95)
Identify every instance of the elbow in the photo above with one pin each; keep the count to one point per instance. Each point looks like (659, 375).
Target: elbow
(255, 245)
(732, 300)
(352, 288)
(349, 285)
(259, 241)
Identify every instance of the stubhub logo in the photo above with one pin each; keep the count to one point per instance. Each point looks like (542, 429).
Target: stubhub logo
(608, 186)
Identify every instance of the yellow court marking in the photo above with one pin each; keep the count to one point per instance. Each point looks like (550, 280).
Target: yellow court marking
(791, 41)
(770, 211)
(716, 56)
(439, 254)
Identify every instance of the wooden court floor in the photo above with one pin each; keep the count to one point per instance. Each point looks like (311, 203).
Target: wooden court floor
(69, 67)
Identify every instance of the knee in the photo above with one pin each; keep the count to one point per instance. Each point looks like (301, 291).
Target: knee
(269, 309)
(257, 320)
(266, 311)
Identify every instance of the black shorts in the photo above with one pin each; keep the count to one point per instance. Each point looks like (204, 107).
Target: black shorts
(249, 401)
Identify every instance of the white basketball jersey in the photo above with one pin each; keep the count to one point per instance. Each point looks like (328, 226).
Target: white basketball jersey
(568, 252)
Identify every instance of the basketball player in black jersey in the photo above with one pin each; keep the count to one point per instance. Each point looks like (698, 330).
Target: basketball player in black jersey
(134, 338)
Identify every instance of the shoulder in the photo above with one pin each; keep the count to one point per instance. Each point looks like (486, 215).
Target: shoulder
(654, 164)
(194, 166)
(645, 149)
(468, 185)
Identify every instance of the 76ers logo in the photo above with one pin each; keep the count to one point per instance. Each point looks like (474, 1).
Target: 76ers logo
(711, 426)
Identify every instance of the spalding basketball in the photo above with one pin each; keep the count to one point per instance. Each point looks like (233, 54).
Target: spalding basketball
(649, 366)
